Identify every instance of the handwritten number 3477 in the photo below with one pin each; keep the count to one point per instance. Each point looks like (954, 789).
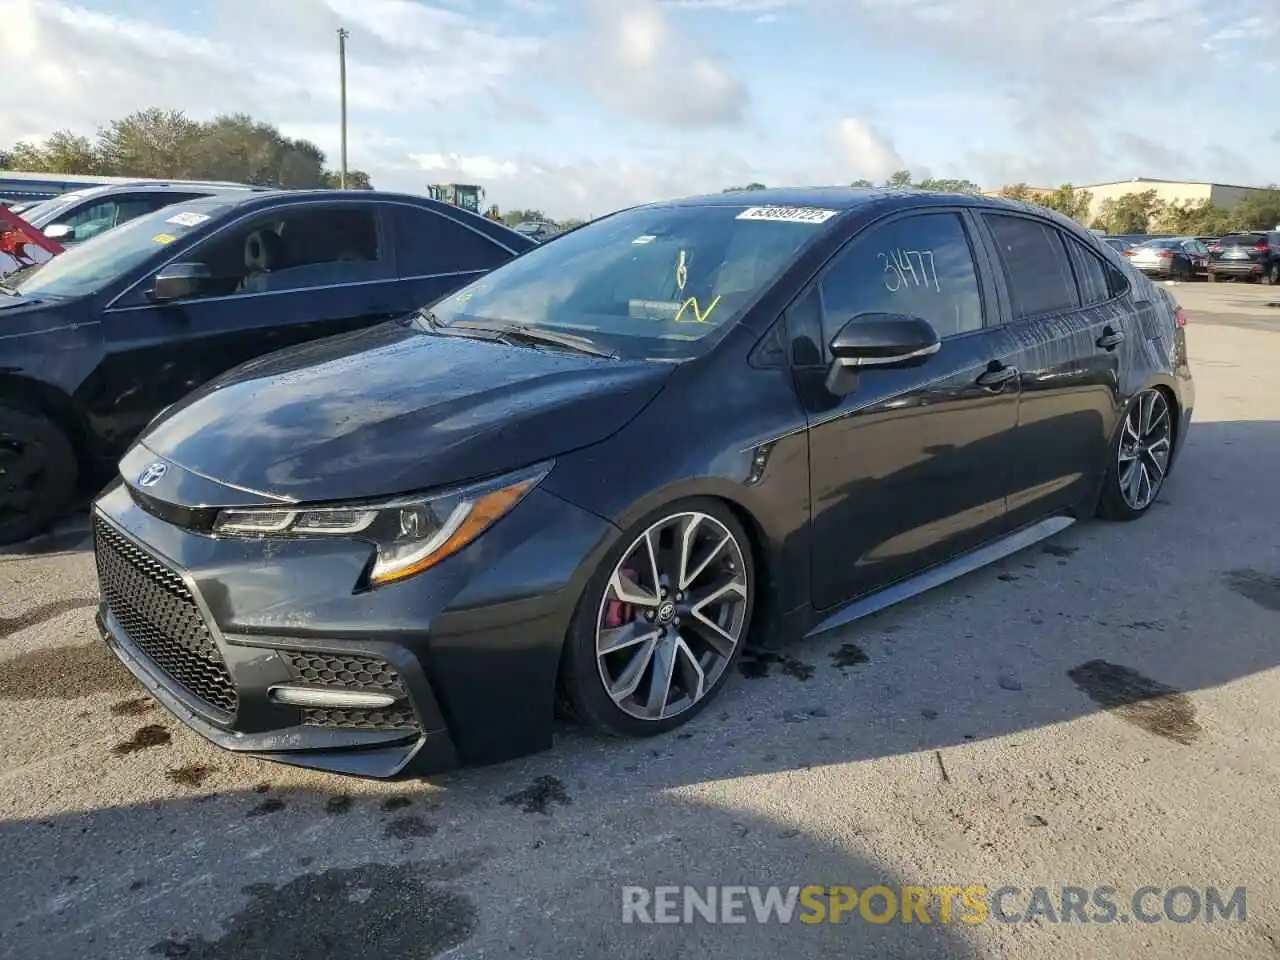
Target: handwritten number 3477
(909, 268)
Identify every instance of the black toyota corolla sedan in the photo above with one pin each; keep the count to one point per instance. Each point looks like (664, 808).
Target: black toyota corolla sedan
(593, 475)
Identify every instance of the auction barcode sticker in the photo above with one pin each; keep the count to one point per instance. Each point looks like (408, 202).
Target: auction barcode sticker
(788, 214)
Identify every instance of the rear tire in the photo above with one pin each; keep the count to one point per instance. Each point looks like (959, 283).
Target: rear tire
(38, 473)
(1272, 277)
(1140, 458)
(621, 690)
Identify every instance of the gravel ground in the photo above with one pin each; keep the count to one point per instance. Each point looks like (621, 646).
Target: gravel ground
(984, 734)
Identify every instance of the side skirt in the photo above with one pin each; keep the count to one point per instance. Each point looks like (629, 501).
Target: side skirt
(943, 573)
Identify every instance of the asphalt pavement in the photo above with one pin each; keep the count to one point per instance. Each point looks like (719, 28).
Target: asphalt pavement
(1099, 710)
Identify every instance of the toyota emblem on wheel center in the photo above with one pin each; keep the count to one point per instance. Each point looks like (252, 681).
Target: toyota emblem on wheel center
(151, 476)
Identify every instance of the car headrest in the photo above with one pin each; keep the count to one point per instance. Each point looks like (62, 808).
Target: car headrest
(263, 250)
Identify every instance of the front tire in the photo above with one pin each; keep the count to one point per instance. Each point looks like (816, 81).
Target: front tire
(661, 624)
(1140, 458)
(38, 473)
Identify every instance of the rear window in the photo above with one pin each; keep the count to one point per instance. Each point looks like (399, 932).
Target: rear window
(1242, 239)
(1163, 244)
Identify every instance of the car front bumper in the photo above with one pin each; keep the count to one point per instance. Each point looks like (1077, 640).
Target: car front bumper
(461, 659)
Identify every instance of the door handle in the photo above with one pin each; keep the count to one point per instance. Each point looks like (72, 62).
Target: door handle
(1110, 339)
(996, 377)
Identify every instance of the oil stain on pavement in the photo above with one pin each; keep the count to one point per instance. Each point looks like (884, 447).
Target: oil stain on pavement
(152, 735)
(849, 655)
(539, 796)
(756, 664)
(409, 827)
(63, 673)
(405, 910)
(1154, 706)
(1262, 588)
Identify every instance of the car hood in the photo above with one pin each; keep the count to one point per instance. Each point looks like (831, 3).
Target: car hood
(393, 410)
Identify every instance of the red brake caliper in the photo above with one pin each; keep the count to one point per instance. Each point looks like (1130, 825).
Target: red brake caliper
(616, 612)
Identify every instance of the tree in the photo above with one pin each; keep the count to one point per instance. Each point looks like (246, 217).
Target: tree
(1132, 213)
(151, 143)
(899, 178)
(167, 144)
(63, 152)
(862, 183)
(1068, 201)
(749, 186)
(1017, 191)
(1257, 210)
(945, 185)
(512, 217)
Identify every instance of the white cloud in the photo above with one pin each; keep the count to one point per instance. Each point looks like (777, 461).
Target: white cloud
(636, 63)
(866, 151)
(81, 68)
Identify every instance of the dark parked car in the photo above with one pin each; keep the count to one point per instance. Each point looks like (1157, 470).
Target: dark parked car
(1179, 258)
(1251, 255)
(96, 341)
(596, 472)
(538, 230)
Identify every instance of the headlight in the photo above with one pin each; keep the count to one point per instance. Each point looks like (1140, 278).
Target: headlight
(412, 534)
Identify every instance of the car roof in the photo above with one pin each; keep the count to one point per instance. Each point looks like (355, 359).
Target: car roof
(246, 201)
(849, 199)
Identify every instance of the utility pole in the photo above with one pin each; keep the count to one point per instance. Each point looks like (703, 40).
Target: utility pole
(342, 79)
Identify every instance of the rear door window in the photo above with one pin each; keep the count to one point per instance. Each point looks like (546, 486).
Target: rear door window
(428, 243)
(1036, 268)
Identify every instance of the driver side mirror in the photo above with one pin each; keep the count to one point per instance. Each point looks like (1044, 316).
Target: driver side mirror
(878, 340)
(180, 281)
(884, 340)
(62, 232)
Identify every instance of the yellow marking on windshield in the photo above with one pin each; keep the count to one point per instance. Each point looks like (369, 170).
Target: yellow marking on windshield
(699, 316)
(163, 238)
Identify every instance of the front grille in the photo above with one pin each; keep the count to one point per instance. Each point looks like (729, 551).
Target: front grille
(352, 672)
(159, 614)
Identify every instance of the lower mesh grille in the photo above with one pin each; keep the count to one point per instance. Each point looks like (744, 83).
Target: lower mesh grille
(352, 672)
(160, 616)
(390, 718)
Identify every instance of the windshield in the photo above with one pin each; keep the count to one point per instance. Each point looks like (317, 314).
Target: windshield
(646, 282)
(1242, 239)
(46, 211)
(88, 267)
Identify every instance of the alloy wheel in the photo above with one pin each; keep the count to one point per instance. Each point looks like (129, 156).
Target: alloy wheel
(1145, 446)
(672, 616)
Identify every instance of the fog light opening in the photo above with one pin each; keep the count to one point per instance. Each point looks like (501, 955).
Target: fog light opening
(338, 699)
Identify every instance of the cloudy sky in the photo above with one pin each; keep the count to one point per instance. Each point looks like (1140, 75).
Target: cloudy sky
(581, 106)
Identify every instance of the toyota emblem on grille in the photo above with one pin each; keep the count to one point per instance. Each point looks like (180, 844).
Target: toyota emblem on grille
(152, 475)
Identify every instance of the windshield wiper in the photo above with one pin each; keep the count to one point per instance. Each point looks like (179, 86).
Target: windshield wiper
(537, 336)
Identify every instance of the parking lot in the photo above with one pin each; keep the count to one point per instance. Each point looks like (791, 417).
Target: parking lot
(967, 737)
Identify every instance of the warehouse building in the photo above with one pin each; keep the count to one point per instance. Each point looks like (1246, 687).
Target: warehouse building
(1170, 191)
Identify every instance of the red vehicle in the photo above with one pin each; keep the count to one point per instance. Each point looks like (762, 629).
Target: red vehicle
(22, 245)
